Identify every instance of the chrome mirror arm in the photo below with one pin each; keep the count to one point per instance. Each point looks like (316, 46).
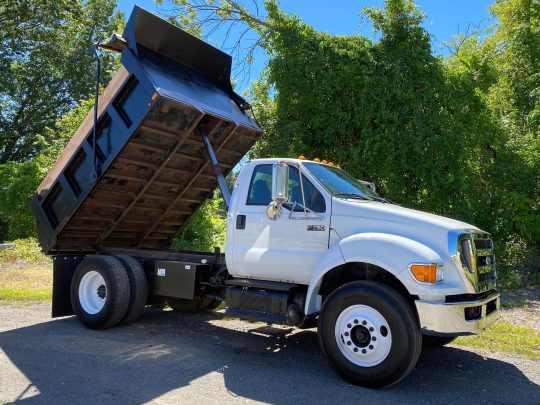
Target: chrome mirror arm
(305, 216)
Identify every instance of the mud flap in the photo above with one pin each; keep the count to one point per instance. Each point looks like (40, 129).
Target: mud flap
(63, 269)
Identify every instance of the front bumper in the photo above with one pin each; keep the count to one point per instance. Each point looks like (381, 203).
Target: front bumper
(458, 318)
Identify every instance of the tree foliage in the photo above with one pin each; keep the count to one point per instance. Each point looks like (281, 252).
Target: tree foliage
(457, 136)
(47, 66)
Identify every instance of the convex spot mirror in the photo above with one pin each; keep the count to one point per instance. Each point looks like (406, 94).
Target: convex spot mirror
(274, 211)
(280, 190)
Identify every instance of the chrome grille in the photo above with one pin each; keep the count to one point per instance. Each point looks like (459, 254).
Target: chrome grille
(478, 260)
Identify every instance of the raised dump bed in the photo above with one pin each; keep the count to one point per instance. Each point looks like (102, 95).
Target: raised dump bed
(153, 169)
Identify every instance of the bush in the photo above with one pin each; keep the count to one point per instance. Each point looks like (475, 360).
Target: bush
(205, 229)
(24, 250)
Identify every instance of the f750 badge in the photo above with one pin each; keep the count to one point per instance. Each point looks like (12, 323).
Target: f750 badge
(315, 228)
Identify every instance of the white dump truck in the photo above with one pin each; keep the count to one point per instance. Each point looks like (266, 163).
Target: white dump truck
(307, 244)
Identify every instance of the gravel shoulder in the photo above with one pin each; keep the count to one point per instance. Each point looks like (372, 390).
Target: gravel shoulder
(521, 307)
(207, 358)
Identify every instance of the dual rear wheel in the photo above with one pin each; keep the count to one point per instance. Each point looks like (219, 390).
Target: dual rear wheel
(108, 290)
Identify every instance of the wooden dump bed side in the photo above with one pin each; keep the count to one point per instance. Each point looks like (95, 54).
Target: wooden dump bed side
(153, 168)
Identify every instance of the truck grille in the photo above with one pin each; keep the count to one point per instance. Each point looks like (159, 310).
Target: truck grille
(478, 260)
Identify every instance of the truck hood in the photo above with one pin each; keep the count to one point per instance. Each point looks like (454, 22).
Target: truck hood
(351, 217)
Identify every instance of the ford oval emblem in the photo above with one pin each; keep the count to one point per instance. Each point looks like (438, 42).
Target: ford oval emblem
(488, 260)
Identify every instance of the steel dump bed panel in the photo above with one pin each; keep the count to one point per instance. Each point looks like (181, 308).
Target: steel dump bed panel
(154, 170)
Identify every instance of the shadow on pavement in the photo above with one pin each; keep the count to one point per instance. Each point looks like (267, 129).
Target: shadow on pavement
(166, 351)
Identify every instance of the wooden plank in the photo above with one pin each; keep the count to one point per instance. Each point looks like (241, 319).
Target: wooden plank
(159, 131)
(181, 194)
(118, 192)
(155, 173)
(152, 147)
(90, 218)
(189, 157)
(166, 183)
(122, 176)
(135, 162)
(233, 152)
(104, 203)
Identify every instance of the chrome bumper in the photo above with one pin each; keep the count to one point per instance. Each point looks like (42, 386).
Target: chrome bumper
(452, 318)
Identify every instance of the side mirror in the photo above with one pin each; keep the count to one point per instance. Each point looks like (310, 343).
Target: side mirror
(280, 182)
(280, 190)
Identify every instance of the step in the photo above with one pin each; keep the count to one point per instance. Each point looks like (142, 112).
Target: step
(260, 284)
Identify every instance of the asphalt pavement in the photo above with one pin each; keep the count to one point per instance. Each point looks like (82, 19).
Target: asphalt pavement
(210, 359)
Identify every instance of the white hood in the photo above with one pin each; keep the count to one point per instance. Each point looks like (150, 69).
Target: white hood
(351, 217)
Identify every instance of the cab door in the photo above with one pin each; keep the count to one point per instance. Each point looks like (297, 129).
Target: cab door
(287, 249)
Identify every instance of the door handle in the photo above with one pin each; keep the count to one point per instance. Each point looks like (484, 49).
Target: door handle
(240, 222)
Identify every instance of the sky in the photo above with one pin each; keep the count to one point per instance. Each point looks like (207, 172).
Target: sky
(342, 17)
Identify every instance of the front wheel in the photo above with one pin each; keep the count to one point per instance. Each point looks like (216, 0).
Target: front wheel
(369, 334)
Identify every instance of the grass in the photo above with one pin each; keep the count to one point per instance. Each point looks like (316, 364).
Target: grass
(25, 273)
(506, 338)
(25, 282)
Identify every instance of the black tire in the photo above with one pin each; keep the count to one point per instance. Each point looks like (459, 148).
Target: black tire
(138, 288)
(404, 349)
(437, 341)
(116, 290)
(183, 306)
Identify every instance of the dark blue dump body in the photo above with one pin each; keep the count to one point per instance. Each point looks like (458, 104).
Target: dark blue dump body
(153, 168)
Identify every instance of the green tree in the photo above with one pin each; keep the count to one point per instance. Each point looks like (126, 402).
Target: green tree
(457, 136)
(47, 66)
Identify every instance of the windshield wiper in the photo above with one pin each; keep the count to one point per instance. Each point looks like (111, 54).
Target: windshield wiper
(353, 196)
(362, 197)
(381, 199)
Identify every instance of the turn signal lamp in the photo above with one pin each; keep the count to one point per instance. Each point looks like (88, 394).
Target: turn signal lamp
(316, 160)
(426, 273)
(302, 157)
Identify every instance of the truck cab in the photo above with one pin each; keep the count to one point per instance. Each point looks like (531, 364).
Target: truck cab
(330, 219)
(324, 229)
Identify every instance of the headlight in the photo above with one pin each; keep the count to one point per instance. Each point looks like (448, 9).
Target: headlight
(427, 273)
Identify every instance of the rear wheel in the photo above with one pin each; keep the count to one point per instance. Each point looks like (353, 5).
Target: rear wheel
(100, 292)
(437, 341)
(369, 334)
(138, 288)
(197, 304)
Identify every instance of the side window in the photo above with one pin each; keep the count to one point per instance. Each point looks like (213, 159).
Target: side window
(313, 198)
(260, 188)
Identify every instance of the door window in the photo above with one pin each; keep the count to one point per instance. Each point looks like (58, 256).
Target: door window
(313, 198)
(260, 190)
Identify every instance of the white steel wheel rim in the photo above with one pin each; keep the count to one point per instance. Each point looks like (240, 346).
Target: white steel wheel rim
(363, 335)
(92, 292)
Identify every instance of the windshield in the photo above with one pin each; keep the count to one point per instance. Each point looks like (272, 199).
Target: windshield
(340, 183)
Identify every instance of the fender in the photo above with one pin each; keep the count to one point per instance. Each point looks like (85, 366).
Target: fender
(390, 252)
